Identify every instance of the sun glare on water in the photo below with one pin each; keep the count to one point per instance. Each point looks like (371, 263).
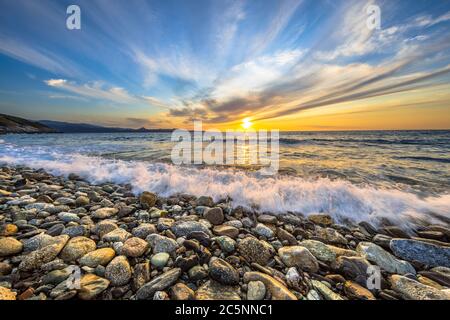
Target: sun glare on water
(246, 123)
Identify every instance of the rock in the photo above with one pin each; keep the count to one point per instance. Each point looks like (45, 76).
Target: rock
(8, 230)
(321, 219)
(37, 242)
(159, 283)
(97, 257)
(330, 235)
(383, 259)
(147, 199)
(354, 268)
(104, 213)
(414, 290)
(143, 230)
(254, 250)
(339, 252)
(382, 240)
(117, 235)
(160, 260)
(224, 230)
(184, 228)
(355, 291)
(395, 232)
(197, 273)
(277, 290)
(223, 272)
(5, 268)
(7, 294)
(134, 247)
(55, 230)
(297, 256)
(263, 230)
(160, 243)
(91, 286)
(214, 215)
(227, 244)
(313, 295)
(141, 274)
(55, 277)
(77, 247)
(156, 213)
(256, 290)
(319, 250)
(46, 254)
(267, 218)
(429, 254)
(164, 224)
(284, 235)
(293, 277)
(75, 231)
(205, 201)
(180, 291)
(10, 246)
(212, 290)
(326, 292)
(82, 201)
(104, 227)
(68, 217)
(118, 271)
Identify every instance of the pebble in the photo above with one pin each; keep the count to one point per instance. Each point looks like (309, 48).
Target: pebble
(91, 286)
(160, 260)
(10, 246)
(147, 199)
(184, 228)
(297, 256)
(117, 235)
(223, 272)
(355, 291)
(160, 243)
(134, 247)
(77, 247)
(414, 290)
(118, 271)
(7, 294)
(214, 215)
(254, 250)
(256, 290)
(227, 244)
(277, 290)
(212, 290)
(97, 257)
(46, 254)
(104, 213)
(319, 250)
(423, 252)
(263, 230)
(159, 283)
(327, 293)
(224, 230)
(180, 291)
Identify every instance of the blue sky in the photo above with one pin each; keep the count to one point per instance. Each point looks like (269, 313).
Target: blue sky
(280, 63)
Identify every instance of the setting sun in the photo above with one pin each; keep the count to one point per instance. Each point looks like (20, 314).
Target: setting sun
(246, 123)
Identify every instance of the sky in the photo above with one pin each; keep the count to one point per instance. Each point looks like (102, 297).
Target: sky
(287, 65)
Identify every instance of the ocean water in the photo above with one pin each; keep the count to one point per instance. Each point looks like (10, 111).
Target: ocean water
(403, 176)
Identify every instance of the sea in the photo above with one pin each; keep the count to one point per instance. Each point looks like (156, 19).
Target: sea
(398, 176)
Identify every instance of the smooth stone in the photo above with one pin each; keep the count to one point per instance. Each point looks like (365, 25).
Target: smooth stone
(384, 259)
(134, 247)
(75, 231)
(77, 247)
(8, 230)
(429, 254)
(256, 290)
(197, 273)
(104, 213)
(44, 255)
(322, 219)
(184, 228)
(55, 230)
(267, 218)
(354, 290)
(148, 199)
(5, 268)
(227, 244)
(263, 230)
(223, 272)
(277, 290)
(10, 246)
(117, 235)
(326, 292)
(205, 201)
(118, 271)
(160, 243)
(141, 274)
(382, 240)
(214, 215)
(37, 242)
(55, 277)
(319, 250)
(300, 257)
(414, 290)
(212, 290)
(331, 236)
(180, 291)
(159, 283)
(224, 230)
(7, 294)
(68, 217)
(143, 230)
(353, 268)
(82, 201)
(104, 227)
(91, 286)
(97, 257)
(254, 250)
(160, 260)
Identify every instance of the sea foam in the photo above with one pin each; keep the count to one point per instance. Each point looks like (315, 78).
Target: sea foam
(278, 194)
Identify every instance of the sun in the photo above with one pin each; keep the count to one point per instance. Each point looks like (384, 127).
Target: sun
(246, 123)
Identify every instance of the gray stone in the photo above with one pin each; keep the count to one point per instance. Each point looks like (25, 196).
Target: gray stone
(427, 253)
(118, 271)
(256, 290)
(414, 290)
(184, 228)
(223, 272)
(160, 243)
(297, 256)
(159, 283)
(160, 260)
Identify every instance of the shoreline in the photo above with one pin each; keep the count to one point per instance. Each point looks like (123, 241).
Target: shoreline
(183, 248)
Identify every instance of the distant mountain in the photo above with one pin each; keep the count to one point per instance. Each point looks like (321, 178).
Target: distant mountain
(11, 124)
(67, 127)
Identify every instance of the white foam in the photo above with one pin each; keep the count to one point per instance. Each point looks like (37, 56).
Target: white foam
(271, 194)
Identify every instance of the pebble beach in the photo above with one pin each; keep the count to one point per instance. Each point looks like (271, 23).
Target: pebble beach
(129, 246)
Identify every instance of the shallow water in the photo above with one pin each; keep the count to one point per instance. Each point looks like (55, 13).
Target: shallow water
(358, 175)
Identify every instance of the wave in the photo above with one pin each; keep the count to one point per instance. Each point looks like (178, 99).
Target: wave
(359, 141)
(277, 194)
(442, 160)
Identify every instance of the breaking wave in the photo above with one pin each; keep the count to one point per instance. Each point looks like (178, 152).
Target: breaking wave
(277, 194)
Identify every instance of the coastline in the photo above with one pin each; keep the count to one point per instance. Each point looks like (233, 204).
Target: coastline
(183, 248)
